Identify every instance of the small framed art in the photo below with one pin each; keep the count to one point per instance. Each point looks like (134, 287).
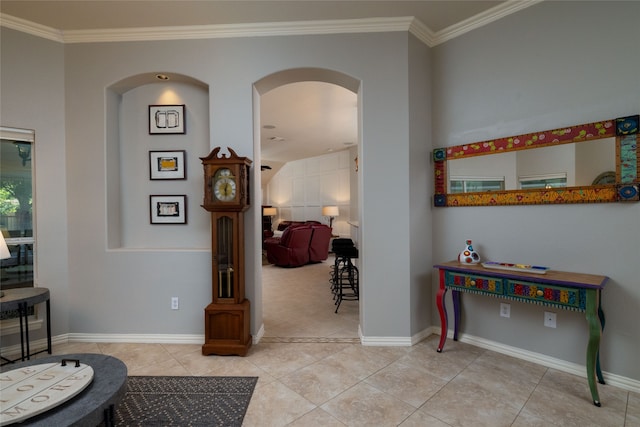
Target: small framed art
(168, 209)
(167, 119)
(167, 165)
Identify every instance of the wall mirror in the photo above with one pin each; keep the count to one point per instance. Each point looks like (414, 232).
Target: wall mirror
(16, 207)
(587, 163)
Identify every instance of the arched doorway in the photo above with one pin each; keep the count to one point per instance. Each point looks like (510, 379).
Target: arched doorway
(276, 83)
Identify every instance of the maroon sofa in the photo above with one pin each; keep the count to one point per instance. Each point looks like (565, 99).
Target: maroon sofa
(283, 226)
(320, 241)
(300, 244)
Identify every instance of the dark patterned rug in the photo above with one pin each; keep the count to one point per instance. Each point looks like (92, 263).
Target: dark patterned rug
(185, 401)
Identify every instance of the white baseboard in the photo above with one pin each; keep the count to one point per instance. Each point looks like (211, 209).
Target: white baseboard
(257, 337)
(397, 341)
(147, 338)
(12, 326)
(138, 338)
(35, 345)
(386, 341)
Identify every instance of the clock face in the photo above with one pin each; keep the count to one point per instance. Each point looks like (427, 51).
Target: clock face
(224, 186)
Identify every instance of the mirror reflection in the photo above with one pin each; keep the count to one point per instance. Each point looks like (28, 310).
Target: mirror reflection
(565, 165)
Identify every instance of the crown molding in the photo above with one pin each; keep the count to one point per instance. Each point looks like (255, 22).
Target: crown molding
(423, 33)
(32, 28)
(262, 29)
(267, 29)
(482, 19)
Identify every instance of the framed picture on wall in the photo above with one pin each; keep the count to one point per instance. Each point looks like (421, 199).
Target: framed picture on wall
(168, 209)
(167, 165)
(167, 119)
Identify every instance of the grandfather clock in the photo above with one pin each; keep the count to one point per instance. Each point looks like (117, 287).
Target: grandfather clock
(226, 196)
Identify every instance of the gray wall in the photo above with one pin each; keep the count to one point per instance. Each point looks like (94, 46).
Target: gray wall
(551, 65)
(33, 97)
(118, 289)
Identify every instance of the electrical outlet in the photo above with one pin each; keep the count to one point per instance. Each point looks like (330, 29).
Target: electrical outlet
(505, 310)
(175, 303)
(549, 319)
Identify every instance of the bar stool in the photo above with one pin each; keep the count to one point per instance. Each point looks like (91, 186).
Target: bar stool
(345, 275)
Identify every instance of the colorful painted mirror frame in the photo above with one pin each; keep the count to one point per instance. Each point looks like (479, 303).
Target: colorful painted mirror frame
(626, 188)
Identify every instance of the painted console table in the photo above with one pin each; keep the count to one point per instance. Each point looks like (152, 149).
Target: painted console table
(569, 291)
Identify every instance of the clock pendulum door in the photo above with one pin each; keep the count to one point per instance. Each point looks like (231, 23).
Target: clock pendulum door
(227, 317)
(223, 259)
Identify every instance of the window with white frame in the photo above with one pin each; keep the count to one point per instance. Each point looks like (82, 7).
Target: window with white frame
(474, 184)
(556, 180)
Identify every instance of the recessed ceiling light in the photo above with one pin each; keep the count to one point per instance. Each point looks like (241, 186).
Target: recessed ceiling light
(162, 77)
(268, 127)
(276, 138)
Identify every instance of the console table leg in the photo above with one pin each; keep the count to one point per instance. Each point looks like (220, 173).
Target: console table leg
(442, 309)
(456, 313)
(594, 342)
(601, 317)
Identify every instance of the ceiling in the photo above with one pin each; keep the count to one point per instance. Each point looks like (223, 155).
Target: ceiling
(305, 119)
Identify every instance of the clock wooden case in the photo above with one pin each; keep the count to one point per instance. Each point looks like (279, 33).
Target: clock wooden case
(226, 196)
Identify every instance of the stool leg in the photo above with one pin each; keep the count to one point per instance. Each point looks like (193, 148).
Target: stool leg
(347, 278)
(340, 289)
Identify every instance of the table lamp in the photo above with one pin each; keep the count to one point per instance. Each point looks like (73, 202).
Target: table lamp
(331, 212)
(270, 212)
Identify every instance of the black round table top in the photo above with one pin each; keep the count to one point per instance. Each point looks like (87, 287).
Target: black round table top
(11, 298)
(108, 387)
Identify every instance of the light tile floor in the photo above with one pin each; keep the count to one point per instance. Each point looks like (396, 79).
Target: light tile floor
(311, 382)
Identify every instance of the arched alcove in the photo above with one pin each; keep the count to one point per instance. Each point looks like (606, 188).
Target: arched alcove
(128, 153)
